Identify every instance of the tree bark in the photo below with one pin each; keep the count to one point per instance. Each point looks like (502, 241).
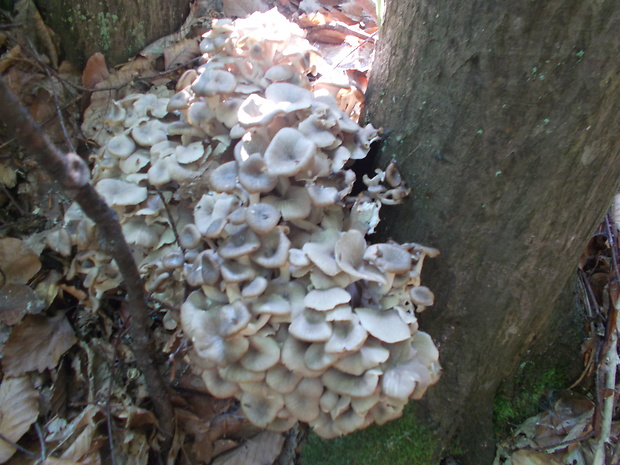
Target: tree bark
(503, 117)
(117, 28)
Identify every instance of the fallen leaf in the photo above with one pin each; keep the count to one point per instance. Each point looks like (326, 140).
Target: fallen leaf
(37, 343)
(262, 448)
(243, 8)
(16, 300)
(17, 262)
(18, 410)
(95, 70)
(181, 52)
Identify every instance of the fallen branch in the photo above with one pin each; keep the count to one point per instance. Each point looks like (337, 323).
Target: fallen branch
(72, 173)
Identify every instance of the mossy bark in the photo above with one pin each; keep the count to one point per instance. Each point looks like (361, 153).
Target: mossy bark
(117, 28)
(503, 117)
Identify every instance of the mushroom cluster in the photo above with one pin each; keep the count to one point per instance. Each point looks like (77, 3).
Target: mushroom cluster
(235, 193)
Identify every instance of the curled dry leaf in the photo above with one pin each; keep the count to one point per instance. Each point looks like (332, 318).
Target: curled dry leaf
(18, 410)
(18, 263)
(37, 343)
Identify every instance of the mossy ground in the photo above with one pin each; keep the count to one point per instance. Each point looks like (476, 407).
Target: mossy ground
(527, 398)
(400, 442)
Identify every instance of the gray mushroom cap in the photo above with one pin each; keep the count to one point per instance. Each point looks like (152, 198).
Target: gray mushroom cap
(289, 152)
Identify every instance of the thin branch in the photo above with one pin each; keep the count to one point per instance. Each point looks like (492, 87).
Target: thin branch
(73, 175)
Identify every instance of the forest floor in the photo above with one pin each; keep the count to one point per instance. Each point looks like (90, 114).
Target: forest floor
(70, 392)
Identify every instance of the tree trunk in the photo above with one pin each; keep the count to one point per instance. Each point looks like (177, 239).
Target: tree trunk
(503, 117)
(117, 28)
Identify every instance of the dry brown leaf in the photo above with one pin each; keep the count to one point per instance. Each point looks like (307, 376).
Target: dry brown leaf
(262, 448)
(37, 343)
(95, 70)
(181, 53)
(532, 457)
(243, 8)
(18, 410)
(17, 261)
(29, 17)
(16, 300)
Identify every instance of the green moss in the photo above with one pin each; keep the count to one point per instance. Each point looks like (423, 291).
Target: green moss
(524, 400)
(400, 442)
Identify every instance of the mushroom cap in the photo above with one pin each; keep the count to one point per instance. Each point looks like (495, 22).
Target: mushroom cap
(295, 204)
(347, 336)
(273, 252)
(233, 318)
(281, 379)
(189, 237)
(264, 353)
(326, 299)
(121, 146)
(370, 355)
(310, 326)
(253, 175)
(190, 153)
(422, 295)
(254, 288)
(149, 133)
(385, 325)
(224, 177)
(217, 386)
(350, 385)
(261, 409)
(214, 81)
(303, 402)
(289, 152)
(262, 218)
(121, 193)
(293, 352)
(391, 258)
(316, 358)
(288, 97)
(236, 272)
(349, 251)
(242, 242)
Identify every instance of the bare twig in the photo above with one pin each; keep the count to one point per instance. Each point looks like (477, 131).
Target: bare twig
(73, 175)
(16, 446)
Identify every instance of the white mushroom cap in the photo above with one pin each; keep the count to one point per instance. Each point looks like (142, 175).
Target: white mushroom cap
(310, 326)
(289, 152)
(370, 355)
(387, 410)
(303, 402)
(149, 133)
(261, 410)
(189, 237)
(317, 359)
(253, 175)
(235, 373)
(294, 204)
(326, 299)
(391, 258)
(293, 352)
(385, 325)
(273, 252)
(262, 218)
(236, 272)
(121, 146)
(214, 81)
(349, 251)
(347, 336)
(350, 385)
(242, 242)
(288, 97)
(282, 380)
(254, 288)
(264, 353)
(217, 386)
(117, 192)
(224, 177)
(422, 296)
(233, 318)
